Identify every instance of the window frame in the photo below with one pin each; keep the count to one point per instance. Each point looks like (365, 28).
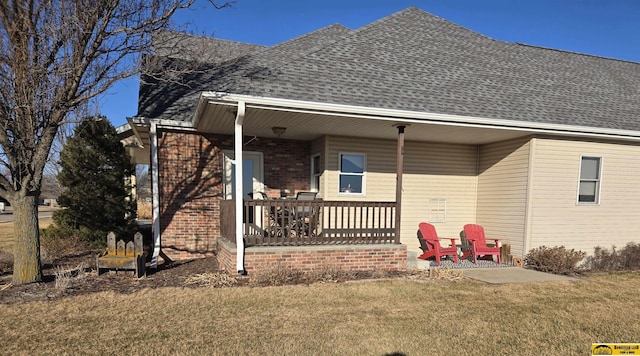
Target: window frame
(437, 210)
(597, 180)
(363, 175)
(316, 172)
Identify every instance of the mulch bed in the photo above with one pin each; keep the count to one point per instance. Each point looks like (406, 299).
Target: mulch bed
(172, 274)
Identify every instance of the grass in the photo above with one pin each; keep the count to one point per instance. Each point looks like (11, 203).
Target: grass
(7, 234)
(357, 318)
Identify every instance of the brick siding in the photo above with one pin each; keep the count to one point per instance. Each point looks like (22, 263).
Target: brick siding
(307, 258)
(191, 184)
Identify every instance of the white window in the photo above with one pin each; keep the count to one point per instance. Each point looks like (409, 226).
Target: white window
(589, 186)
(316, 172)
(352, 169)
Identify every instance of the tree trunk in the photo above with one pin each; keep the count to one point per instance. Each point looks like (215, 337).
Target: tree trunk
(26, 247)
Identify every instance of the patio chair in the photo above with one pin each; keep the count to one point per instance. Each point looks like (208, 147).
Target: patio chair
(477, 240)
(432, 246)
(306, 195)
(307, 216)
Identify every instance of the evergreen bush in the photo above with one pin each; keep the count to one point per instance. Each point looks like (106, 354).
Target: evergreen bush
(95, 171)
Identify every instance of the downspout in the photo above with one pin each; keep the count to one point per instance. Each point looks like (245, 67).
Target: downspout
(155, 194)
(399, 171)
(238, 185)
(528, 216)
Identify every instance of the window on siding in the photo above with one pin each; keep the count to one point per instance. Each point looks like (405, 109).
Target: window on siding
(316, 172)
(589, 189)
(352, 169)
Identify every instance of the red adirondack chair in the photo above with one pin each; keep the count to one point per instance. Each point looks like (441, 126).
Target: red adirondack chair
(478, 242)
(433, 247)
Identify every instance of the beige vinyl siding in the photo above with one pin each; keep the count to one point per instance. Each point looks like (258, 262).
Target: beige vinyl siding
(431, 170)
(556, 217)
(503, 174)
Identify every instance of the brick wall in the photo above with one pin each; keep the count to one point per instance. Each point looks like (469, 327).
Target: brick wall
(191, 184)
(307, 258)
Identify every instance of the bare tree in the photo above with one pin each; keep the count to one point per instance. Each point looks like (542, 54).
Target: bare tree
(55, 57)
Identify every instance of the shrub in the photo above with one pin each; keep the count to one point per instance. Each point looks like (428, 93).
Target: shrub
(65, 276)
(630, 256)
(277, 275)
(556, 260)
(328, 273)
(603, 260)
(56, 242)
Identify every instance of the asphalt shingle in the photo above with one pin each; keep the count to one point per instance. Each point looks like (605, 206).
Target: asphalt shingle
(413, 60)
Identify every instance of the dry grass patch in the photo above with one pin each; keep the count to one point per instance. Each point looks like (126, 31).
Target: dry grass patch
(7, 234)
(65, 276)
(335, 319)
(144, 210)
(6, 237)
(216, 279)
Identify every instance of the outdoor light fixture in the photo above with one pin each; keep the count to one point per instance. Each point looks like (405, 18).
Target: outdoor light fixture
(278, 131)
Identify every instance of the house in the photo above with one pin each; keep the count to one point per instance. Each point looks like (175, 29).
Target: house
(411, 118)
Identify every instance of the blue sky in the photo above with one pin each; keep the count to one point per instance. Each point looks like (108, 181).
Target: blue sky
(608, 28)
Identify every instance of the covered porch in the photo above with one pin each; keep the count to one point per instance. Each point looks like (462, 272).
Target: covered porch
(310, 146)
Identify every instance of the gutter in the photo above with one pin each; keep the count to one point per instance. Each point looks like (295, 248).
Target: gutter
(238, 185)
(155, 194)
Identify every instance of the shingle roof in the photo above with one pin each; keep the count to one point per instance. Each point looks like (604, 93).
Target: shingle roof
(413, 60)
(169, 100)
(184, 46)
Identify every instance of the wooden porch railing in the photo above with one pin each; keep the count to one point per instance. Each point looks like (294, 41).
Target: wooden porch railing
(317, 222)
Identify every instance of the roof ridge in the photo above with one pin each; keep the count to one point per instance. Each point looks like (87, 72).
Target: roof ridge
(573, 52)
(262, 54)
(407, 11)
(334, 25)
(206, 37)
(332, 43)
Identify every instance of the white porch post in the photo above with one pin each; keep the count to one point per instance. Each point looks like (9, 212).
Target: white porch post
(155, 194)
(399, 172)
(238, 185)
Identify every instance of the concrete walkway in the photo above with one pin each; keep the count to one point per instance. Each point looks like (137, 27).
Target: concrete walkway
(512, 275)
(493, 274)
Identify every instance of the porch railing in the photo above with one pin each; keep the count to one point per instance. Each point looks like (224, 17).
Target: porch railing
(317, 222)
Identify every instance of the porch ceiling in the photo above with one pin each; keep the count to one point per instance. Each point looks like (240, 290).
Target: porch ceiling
(301, 125)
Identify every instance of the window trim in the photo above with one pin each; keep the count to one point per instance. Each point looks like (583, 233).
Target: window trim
(598, 181)
(315, 177)
(437, 210)
(363, 174)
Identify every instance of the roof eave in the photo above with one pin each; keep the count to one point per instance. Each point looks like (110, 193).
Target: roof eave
(405, 116)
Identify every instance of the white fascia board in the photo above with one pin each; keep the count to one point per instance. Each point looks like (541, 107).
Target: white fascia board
(163, 123)
(413, 116)
(135, 131)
